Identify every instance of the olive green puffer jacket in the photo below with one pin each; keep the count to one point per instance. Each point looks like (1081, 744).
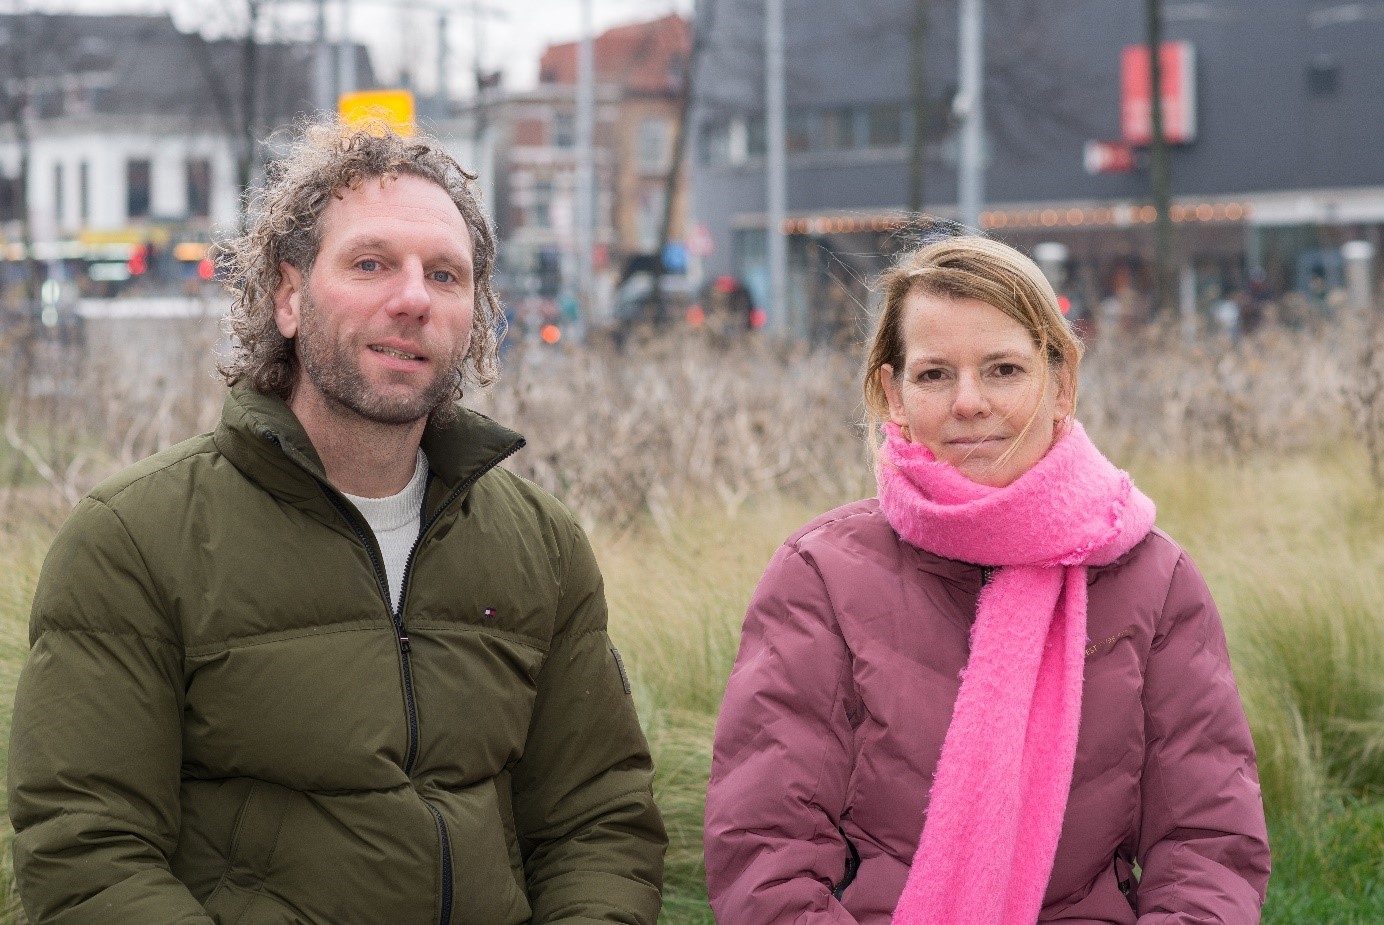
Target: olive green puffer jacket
(222, 721)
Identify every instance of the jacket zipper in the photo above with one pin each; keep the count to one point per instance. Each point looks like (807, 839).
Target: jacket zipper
(444, 839)
(396, 616)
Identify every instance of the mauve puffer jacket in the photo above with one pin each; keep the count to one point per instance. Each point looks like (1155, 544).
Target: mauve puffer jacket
(835, 713)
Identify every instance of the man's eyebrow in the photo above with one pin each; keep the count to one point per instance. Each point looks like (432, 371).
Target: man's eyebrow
(368, 242)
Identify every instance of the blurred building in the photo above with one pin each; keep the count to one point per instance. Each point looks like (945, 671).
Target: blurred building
(1278, 115)
(137, 138)
(532, 137)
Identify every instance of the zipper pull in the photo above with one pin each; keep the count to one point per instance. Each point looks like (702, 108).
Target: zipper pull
(403, 642)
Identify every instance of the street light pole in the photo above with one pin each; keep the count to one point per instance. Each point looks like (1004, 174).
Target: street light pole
(777, 193)
(971, 103)
(1164, 271)
(586, 166)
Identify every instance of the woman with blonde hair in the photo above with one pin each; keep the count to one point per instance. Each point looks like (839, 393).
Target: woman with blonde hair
(995, 691)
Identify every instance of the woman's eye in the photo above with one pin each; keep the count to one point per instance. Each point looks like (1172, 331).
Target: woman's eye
(1006, 369)
(931, 375)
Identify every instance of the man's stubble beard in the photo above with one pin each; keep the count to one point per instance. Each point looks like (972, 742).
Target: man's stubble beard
(337, 376)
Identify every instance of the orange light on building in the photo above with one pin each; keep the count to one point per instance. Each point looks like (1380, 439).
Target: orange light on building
(1147, 214)
(1075, 217)
(550, 333)
(1205, 212)
(1234, 212)
(189, 250)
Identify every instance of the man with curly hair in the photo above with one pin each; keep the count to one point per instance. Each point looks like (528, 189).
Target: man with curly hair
(329, 664)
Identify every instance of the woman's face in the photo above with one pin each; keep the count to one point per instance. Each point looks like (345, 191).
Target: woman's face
(972, 379)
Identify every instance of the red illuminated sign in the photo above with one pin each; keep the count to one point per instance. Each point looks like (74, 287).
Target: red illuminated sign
(1108, 157)
(1179, 93)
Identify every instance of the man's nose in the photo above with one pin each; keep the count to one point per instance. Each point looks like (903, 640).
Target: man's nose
(411, 297)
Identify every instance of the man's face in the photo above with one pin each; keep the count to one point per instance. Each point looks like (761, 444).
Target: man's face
(383, 320)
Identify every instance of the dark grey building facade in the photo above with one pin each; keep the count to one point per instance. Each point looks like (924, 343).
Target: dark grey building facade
(1285, 165)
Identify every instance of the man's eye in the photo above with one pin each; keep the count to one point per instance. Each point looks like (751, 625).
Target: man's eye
(443, 276)
(368, 265)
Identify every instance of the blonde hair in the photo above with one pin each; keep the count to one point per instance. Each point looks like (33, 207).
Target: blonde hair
(967, 267)
(327, 157)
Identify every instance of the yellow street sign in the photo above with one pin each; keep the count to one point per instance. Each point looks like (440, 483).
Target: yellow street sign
(392, 107)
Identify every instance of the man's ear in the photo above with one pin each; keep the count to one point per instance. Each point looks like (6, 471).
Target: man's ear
(288, 299)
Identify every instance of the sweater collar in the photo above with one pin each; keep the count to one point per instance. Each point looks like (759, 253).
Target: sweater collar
(261, 436)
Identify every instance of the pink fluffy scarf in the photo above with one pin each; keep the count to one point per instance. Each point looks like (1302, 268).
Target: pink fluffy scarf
(1000, 790)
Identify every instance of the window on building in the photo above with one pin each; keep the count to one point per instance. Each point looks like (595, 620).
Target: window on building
(59, 199)
(885, 126)
(713, 143)
(838, 129)
(138, 187)
(199, 188)
(11, 199)
(650, 218)
(654, 145)
(756, 137)
(564, 130)
(798, 131)
(84, 191)
(1323, 75)
(541, 214)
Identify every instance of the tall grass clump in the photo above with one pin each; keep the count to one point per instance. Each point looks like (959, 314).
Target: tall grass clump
(677, 594)
(691, 458)
(1293, 549)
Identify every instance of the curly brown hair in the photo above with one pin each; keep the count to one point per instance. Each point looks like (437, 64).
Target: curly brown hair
(326, 157)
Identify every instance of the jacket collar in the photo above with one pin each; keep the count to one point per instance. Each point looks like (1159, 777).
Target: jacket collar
(262, 438)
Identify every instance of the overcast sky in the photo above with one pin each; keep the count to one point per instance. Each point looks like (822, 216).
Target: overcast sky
(397, 31)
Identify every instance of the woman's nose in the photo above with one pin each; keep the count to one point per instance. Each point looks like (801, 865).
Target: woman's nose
(969, 399)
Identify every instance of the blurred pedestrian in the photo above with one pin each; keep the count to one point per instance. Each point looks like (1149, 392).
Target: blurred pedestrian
(329, 665)
(988, 694)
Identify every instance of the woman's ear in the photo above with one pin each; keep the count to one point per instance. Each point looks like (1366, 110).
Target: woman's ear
(893, 393)
(1066, 392)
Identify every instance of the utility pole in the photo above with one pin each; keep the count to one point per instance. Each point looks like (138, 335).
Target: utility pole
(917, 157)
(971, 102)
(1165, 274)
(345, 54)
(586, 166)
(444, 63)
(322, 73)
(777, 193)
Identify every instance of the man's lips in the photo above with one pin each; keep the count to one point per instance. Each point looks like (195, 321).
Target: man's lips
(398, 353)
